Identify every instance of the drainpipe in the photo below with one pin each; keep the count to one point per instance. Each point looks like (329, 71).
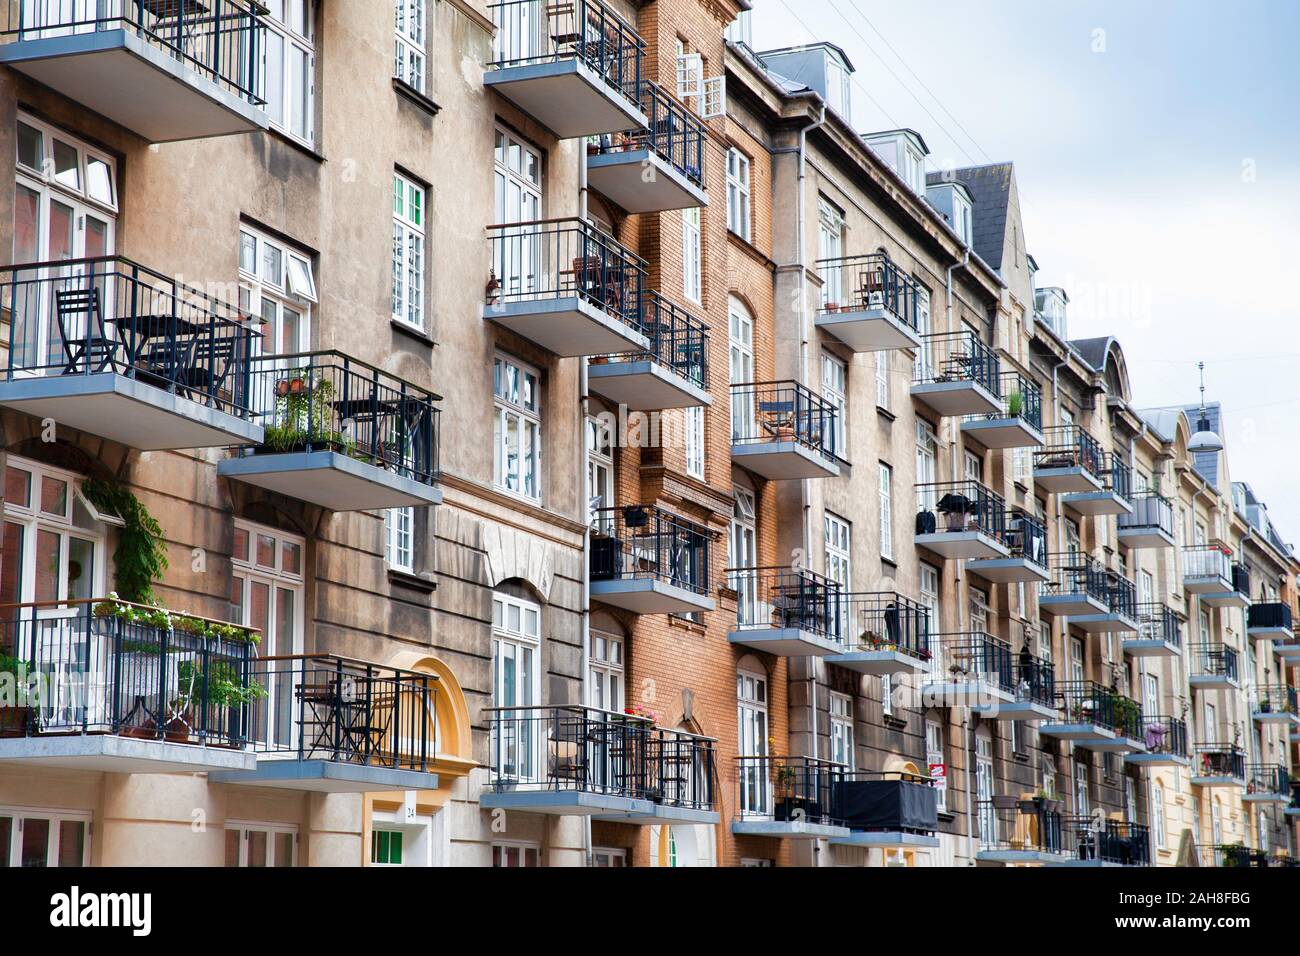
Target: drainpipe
(967, 733)
(584, 405)
(948, 427)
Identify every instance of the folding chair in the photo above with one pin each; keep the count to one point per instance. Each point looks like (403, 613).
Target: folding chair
(93, 344)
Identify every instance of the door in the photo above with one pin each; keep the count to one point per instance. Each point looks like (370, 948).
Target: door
(742, 554)
(39, 839)
(751, 722)
(517, 185)
(929, 599)
(984, 784)
(741, 366)
(517, 737)
(926, 447)
(922, 365)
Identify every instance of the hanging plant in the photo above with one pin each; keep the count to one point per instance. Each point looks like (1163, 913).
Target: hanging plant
(141, 554)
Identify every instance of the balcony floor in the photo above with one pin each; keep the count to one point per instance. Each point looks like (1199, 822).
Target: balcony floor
(108, 753)
(568, 326)
(1262, 797)
(326, 776)
(783, 460)
(952, 399)
(1288, 652)
(330, 480)
(1065, 480)
(643, 385)
(962, 544)
(1213, 682)
(1097, 503)
(1046, 857)
(1070, 604)
(622, 177)
(1008, 570)
(1107, 623)
(1146, 537)
(1270, 634)
(878, 662)
(1027, 710)
(119, 75)
(1149, 647)
(1275, 717)
(1205, 584)
(886, 839)
(650, 596)
(1217, 780)
(963, 692)
(786, 641)
(868, 330)
(1227, 598)
(998, 433)
(1077, 731)
(1114, 745)
(789, 829)
(1148, 759)
(127, 411)
(567, 96)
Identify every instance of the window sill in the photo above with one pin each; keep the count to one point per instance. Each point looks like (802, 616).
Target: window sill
(946, 817)
(296, 144)
(407, 91)
(894, 723)
(686, 624)
(889, 563)
(885, 413)
(409, 330)
(426, 583)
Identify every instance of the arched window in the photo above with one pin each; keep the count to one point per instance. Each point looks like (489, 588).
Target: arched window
(516, 685)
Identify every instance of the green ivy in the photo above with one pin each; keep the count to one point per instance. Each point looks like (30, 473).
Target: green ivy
(176, 621)
(141, 554)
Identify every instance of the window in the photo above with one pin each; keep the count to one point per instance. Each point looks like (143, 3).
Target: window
(922, 366)
(842, 730)
(276, 284)
(882, 380)
(1045, 641)
(738, 193)
(605, 671)
(742, 552)
(409, 53)
(516, 681)
(386, 847)
(751, 722)
(1077, 660)
(961, 220)
(928, 597)
(693, 420)
(692, 277)
(973, 465)
(984, 786)
(926, 451)
(936, 764)
(515, 854)
(887, 695)
(261, 845)
(830, 245)
(886, 511)
(399, 525)
(838, 534)
(608, 856)
(741, 366)
(835, 391)
(979, 611)
(408, 252)
(600, 469)
(289, 67)
(517, 434)
(1080, 787)
(44, 838)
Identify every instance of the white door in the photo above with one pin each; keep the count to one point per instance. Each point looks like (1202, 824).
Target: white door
(517, 185)
(922, 366)
(926, 446)
(742, 553)
(751, 702)
(517, 737)
(743, 422)
(984, 784)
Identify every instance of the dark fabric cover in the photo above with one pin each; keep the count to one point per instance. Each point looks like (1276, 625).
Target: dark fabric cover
(887, 805)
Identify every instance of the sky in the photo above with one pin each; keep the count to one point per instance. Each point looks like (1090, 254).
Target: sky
(1157, 151)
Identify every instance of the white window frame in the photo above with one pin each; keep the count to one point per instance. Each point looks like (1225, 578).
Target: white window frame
(246, 828)
(738, 206)
(835, 388)
(600, 467)
(517, 626)
(275, 279)
(886, 491)
(606, 671)
(692, 256)
(300, 40)
(44, 177)
(528, 849)
(399, 533)
(410, 213)
(883, 377)
(1158, 814)
(753, 725)
(693, 434)
(842, 739)
(410, 54)
(934, 754)
(838, 541)
(12, 854)
(608, 856)
(830, 245)
(519, 414)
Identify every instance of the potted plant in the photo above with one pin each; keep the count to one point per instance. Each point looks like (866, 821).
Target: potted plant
(1015, 404)
(14, 719)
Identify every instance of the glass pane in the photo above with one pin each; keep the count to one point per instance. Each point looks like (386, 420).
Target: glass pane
(275, 77)
(272, 265)
(62, 222)
(67, 169)
(290, 330)
(284, 849)
(291, 557)
(18, 487)
(241, 545)
(72, 843)
(27, 225)
(284, 644)
(99, 180)
(257, 848)
(232, 847)
(35, 843)
(48, 550)
(6, 840)
(81, 569)
(247, 253)
(298, 91)
(265, 551)
(54, 496)
(31, 152)
(11, 570)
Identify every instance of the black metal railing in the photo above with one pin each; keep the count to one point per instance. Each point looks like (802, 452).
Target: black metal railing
(1240, 578)
(958, 357)
(644, 542)
(1267, 779)
(1206, 561)
(325, 707)
(673, 131)
(1070, 446)
(786, 789)
(971, 658)
(1271, 614)
(678, 340)
(799, 598)
(105, 666)
(1276, 699)
(540, 31)
(1076, 573)
(769, 412)
(1213, 659)
(1218, 759)
(883, 621)
(316, 401)
(1164, 734)
(221, 40)
(109, 314)
(1117, 842)
(1119, 477)
(1019, 397)
(566, 258)
(1230, 856)
(563, 748)
(869, 282)
(1121, 594)
(1020, 825)
(1151, 512)
(1159, 622)
(956, 506)
(1025, 537)
(1087, 702)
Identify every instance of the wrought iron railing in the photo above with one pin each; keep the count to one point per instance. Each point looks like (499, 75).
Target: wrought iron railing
(1266, 779)
(644, 542)
(1119, 477)
(221, 40)
(673, 131)
(1076, 573)
(1276, 699)
(1213, 659)
(1219, 759)
(678, 340)
(1121, 594)
(1159, 622)
(866, 282)
(799, 598)
(786, 789)
(959, 357)
(1117, 842)
(540, 31)
(1151, 511)
(1240, 578)
(1025, 537)
(1070, 446)
(956, 506)
(316, 401)
(883, 621)
(1019, 397)
(1015, 825)
(1087, 702)
(972, 657)
(1163, 734)
(109, 314)
(770, 412)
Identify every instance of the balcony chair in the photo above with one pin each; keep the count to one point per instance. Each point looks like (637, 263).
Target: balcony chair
(93, 345)
(600, 282)
(345, 719)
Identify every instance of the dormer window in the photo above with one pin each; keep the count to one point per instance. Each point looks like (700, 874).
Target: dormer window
(961, 223)
(905, 152)
(837, 86)
(953, 201)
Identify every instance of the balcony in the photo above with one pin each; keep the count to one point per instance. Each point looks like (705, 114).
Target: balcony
(339, 434)
(1207, 569)
(1076, 587)
(1072, 462)
(1267, 783)
(1275, 704)
(104, 685)
(581, 761)
(969, 669)
(1106, 843)
(1165, 740)
(957, 373)
(1218, 765)
(1020, 831)
(656, 168)
(1150, 524)
(1113, 498)
(1236, 595)
(884, 633)
(1159, 632)
(568, 287)
(961, 519)
(1121, 614)
(886, 810)
(671, 373)
(1212, 666)
(575, 67)
(1031, 684)
(787, 797)
(165, 71)
(791, 612)
(1097, 718)
(1019, 421)
(1288, 651)
(649, 561)
(113, 348)
(783, 431)
(328, 724)
(868, 303)
(1293, 808)
(1025, 539)
(1269, 621)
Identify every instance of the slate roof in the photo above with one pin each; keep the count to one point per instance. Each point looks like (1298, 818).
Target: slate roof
(990, 188)
(1093, 351)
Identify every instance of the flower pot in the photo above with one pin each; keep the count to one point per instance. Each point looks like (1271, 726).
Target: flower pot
(14, 721)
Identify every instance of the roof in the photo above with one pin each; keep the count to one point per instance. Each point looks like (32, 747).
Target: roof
(990, 188)
(886, 133)
(1207, 462)
(800, 48)
(1162, 421)
(1093, 351)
